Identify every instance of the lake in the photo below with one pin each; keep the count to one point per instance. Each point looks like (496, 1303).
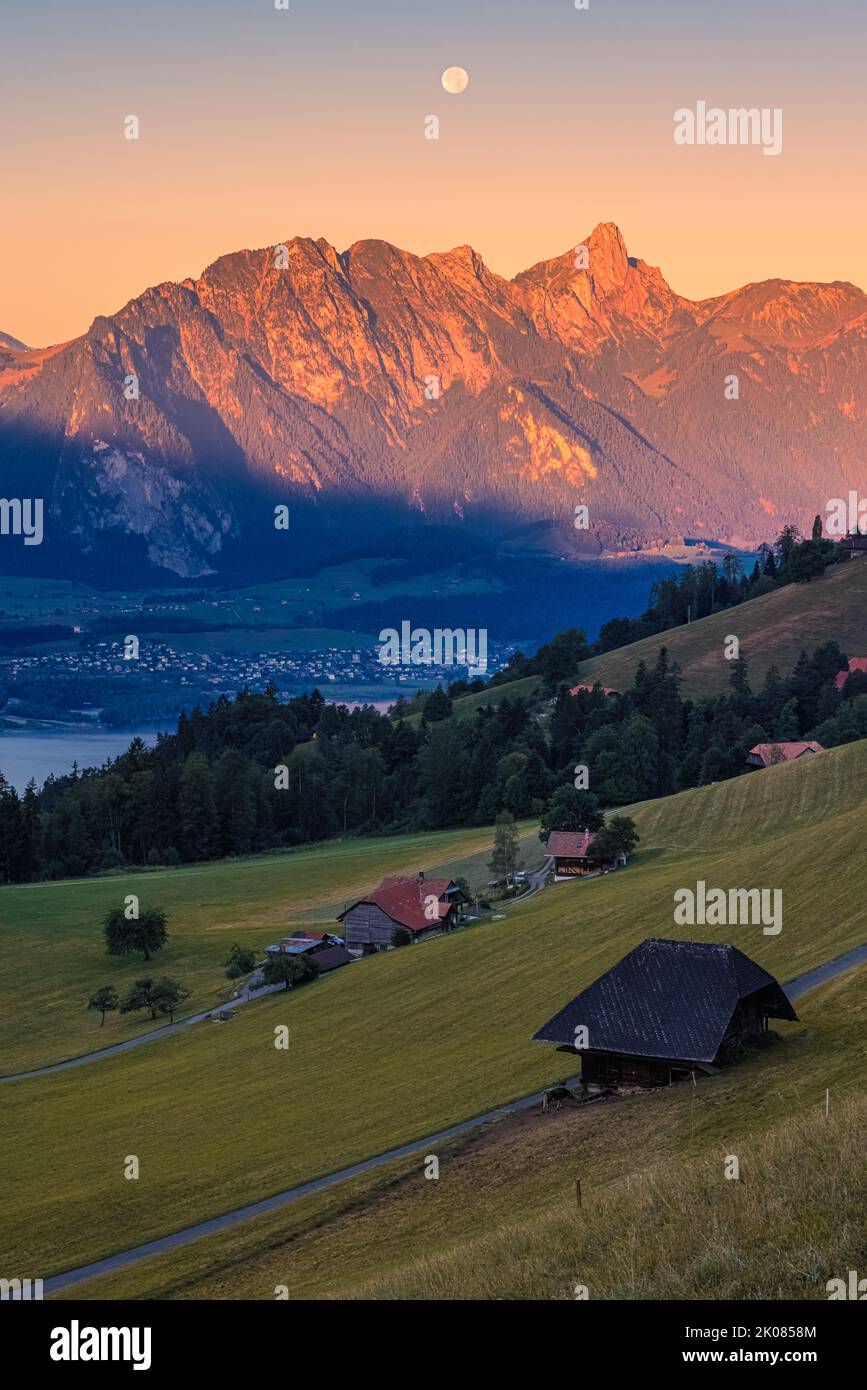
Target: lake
(38, 753)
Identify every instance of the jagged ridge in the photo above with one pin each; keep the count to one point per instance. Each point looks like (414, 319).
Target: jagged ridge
(362, 384)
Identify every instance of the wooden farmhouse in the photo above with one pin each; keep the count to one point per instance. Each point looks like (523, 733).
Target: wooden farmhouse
(570, 850)
(423, 906)
(668, 1009)
(769, 754)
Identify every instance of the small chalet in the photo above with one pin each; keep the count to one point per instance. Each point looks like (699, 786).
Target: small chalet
(769, 754)
(424, 906)
(570, 850)
(668, 1009)
(326, 950)
(606, 689)
(856, 663)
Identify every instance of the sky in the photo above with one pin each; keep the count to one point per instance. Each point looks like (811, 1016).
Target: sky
(258, 124)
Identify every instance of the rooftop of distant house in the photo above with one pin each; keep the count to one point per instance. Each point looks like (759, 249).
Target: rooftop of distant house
(606, 689)
(856, 663)
(328, 951)
(302, 941)
(570, 844)
(784, 752)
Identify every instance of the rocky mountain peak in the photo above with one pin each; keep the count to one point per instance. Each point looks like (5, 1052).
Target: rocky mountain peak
(378, 379)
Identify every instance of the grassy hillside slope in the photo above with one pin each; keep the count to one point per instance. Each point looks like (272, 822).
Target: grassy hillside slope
(54, 951)
(772, 630)
(403, 1044)
(805, 1181)
(500, 1221)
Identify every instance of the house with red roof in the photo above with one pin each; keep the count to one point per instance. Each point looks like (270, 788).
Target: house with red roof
(422, 906)
(769, 754)
(856, 663)
(570, 850)
(606, 689)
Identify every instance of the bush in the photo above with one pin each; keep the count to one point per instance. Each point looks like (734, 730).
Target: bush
(111, 859)
(241, 960)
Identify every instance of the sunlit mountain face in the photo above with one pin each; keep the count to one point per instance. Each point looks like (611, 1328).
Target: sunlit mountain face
(371, 388)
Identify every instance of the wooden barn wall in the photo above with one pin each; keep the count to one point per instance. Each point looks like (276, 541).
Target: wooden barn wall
(366, 925)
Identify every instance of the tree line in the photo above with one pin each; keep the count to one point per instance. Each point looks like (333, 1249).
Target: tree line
(250, 774)
(211, 789)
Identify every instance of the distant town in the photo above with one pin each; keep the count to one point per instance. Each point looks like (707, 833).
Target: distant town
(176, 678)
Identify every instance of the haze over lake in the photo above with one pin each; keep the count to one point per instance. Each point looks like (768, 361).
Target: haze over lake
(37, 754)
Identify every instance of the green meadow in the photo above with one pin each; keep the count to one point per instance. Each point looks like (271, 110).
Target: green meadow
(402, 1044)
(501, 1221)
(53, 948)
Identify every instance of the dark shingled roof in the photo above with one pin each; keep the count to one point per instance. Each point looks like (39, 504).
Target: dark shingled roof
(331, 958)
(668, 999)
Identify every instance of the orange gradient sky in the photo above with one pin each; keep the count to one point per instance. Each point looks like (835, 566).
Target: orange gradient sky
(258, 124)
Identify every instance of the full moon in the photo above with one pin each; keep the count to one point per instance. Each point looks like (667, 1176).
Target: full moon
(455, 80)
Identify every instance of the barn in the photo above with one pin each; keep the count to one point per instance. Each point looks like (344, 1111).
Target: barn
(769, 754)
(570, 850)
(422, 906)
(665, 1011)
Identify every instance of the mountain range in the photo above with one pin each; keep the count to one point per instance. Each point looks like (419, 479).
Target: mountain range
(372, 388)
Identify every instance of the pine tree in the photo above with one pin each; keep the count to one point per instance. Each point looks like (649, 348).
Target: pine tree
(198, 819)
(10, 831)
(437, 706)
(31, 834)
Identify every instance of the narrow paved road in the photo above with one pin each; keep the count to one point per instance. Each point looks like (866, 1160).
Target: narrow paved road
(794, 988)
(536, 881)
(281, 1199)
(823, 973)
(152, 1036)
